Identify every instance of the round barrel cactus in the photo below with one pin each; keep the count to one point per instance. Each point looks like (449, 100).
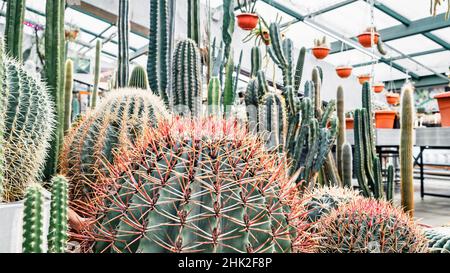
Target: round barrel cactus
(370, 226)
(117, 122)
(439, 239)
(202, 185)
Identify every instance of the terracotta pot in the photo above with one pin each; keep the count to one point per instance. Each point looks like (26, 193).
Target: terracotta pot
(247, 21)
(363, 79)
(393, 99)
(266, 38)
(365, 39)
(444, 107)
(384, 119)
(344, 71)
(320, 52)
(378, 88)
(349, 123)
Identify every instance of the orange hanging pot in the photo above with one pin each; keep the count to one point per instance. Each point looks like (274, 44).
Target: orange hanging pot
(363, 78)
(384, 119)
(365, 39)
(444, 107)
(393, 98)
(247, 21)
(378, 87)
(320, 52)
(349, 123)
(344, 71)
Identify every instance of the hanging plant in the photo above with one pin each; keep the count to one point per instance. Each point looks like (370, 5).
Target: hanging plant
(363, 78)
(321, 48)
(392, 98)
(261, 33)
(365, 38)
(248, 19)
(71, 33)
(378, 87)
(344, 71)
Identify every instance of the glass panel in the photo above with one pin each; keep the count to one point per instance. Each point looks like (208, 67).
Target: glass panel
(304, 35)
(412, 44)
(84, 21)
(382, 72)
(412, 9)
(443, 34)
(307, 7)
(436, 61)
(349, 57)
(270, 14)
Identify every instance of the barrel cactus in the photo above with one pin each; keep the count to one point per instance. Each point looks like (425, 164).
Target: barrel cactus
(139, 78)
(439, 239)
(116, 122)
(27, 120)
(201, 185)
(370, 226)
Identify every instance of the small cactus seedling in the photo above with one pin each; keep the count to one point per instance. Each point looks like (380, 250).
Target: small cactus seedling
(57, 235)
(33, 220)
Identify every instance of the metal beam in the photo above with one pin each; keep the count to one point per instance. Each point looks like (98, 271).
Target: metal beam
(424, 81)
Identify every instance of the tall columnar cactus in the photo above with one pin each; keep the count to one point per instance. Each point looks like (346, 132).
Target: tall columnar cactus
(341, 138)
(75, 108)
(228, 27)
(116, 123)
(187, 83)
(139, 78)
(159, 48)
(15, 14)
(68, 97)
(273, 119)
(57, 235)
(97, 69)
(390, 184)
(256, 61)
(54, 75)
(26, 112)
(214, 96)
(33, 220)
(406, 150)
(123, 58)
(193, 23)
(235, 196)
(347, 163)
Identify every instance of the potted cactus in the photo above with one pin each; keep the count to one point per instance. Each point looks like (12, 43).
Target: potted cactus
(365, 38)
(321, 48)
(349, 120)
(378, 87)
(384, 116)
(248, 19)
(392, 98)
(344, 71)
(444, 107)
(364, 78)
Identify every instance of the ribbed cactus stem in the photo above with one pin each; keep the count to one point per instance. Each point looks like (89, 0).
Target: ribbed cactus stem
(390, 184)
(273, 119)
(33, 220)
(187, 84)
(341, 134)
(3, 104)
(299, 69)
(57, 235)
(406, 150)
(228, 91)
(68, 86)
(347, 164)
(214, 96)
(97, 69)
(123, 58)
(75, 107)
(139, 78)
(15, 13)
(256, 60)
(194, 21)
(317, 83)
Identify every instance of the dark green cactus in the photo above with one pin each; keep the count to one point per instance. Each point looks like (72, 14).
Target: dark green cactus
(187, 83)
(33, 220)
(228, 27)
(390, 184)
(68, 97)
(15, 14)
(139, 78)
(273, 119)
(97, 69)
(193, 24)
(299, 69)
(341, 138)
(256, 61)
(214, 96)
(57, 234)
(123, 58)
(347, 164)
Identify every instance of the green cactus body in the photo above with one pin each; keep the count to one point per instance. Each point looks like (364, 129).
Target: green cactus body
(57, 235)
(299, 69)
(317, 85)
(406, 150)
(3, 104)
(438, 239)
(347, 161)
(68, 97)
(97, 69)
(341, 135)
(159, 49)
(75, 108)
(360, 155)
(256, 61)
(116, 123)
(187, 84)
(194, 20)
(233, 192)
(228, 90)
(123, 58)
(273, 119)
(15, 14)
(54, 75)
(228, 23)
(214, 95)
(390, 184)
(33, 220)
(139, 78)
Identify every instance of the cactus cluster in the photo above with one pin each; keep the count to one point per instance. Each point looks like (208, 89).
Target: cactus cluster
(438, 239)
(369, 226)
(202, 185)
(117, 122)
(139, 78)
(123, 59)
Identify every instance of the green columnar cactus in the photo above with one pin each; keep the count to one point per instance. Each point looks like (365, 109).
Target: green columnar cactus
(256, 61)
(75, 108)
(139, 78)
(159, 49)
(228, 27)
(123, 58)
(187, 83)
(406, 150)
(26, 112)
(273, 119)
(317, 83)
(33, 220)
(15, 14)
(299, 69)
(97, 69)
(57, 235)
(347, 161)
(68, 97)
(115, 124)
(214, 96)
(341, 135)
(228, 90)
(237, 196)
(54, 75)
(390, 184)
(193, 23)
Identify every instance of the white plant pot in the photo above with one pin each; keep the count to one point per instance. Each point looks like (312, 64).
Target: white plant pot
(11, 225)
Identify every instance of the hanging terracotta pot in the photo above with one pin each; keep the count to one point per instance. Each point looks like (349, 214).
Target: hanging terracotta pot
(320, 52)
(384, 119)
(247, 21)
(344, 71)
(366, 37)
(378, 87)
(444, 107)
(393, 98)
(363, 78)
(349, 123)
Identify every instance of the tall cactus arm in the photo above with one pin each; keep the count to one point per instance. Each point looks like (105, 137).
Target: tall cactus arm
(194, 21)
(331, 107)
(229, 92)
(238, 73)
(277, 44)
(97, 69)
(123, 58)
(299, 69)
(228, 26)
(347, 163)
(359, 160)
(57, 235)
(256, 61)
(33, 220)
(15, 13)
(317, 82)
(68, 86)
(341, 138)
(214, 95)
(390, 184)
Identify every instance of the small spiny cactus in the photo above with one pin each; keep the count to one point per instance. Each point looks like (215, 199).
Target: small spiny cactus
(33, 220)
(57, 234)
(139, 78)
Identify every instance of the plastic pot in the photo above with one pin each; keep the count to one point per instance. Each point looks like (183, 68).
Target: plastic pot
(378, 88)
(393, 99)
(320, 52)
(444, 107)
(363, 79)
(349, 123)
(384, 119)
(247, 21)
(365, 39)
(344, 71)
